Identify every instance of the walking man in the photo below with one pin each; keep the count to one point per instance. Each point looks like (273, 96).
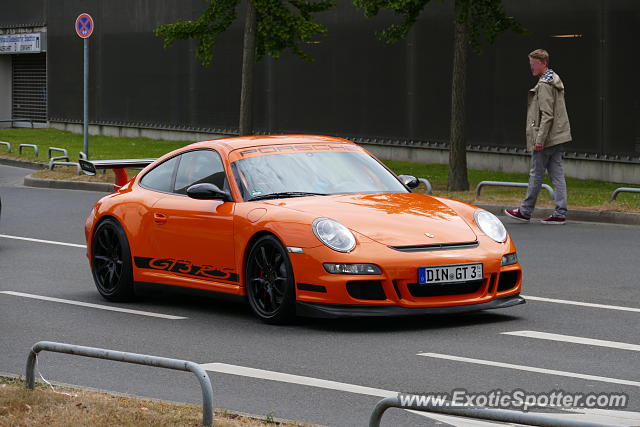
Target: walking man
(547, 131)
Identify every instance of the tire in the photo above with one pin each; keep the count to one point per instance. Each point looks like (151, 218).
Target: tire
(269, 281)
(111, 262)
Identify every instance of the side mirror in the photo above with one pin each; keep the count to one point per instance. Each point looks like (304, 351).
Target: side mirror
(207, 191)
(409, 180)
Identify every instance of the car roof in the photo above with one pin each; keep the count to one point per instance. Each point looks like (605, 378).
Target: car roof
(231, 144)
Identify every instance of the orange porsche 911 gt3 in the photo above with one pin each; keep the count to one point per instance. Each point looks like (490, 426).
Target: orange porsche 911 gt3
(297, 224)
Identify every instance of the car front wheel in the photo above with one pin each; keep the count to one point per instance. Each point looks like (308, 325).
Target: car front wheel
(269, 281)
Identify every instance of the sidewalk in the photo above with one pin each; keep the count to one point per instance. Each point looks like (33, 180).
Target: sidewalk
(608, 217)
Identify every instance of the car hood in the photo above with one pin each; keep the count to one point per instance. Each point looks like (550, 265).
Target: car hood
(393, 219)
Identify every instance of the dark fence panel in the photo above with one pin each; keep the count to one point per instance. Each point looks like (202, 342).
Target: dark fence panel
(357, 85)
(22, 13)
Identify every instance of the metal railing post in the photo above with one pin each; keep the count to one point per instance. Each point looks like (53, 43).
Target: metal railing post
(36, 150)
(120, 356)
(427, 184)
(511, 184)
(65, 154)
(623, 190)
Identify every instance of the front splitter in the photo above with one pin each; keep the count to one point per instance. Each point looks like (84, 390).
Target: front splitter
(332, 311)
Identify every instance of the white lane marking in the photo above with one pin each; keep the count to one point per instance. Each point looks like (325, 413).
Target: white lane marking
(603, 416)
(98, 306)
(457, 421)
(532, 369)
(620, 417)
(244, 371)
(295, 379)
(584, 304)
(575, 340)
(50, 242)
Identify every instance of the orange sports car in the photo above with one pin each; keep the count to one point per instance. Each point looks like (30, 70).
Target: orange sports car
(297, 224)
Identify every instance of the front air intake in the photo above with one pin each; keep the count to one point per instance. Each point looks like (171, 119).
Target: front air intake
(508, 280)
(366, 289)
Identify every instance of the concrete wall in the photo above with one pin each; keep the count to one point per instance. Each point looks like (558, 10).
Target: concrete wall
(134, 132)
(601, 170)
(5, 89)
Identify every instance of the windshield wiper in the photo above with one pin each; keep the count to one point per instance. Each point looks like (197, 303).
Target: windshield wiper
(284, 195)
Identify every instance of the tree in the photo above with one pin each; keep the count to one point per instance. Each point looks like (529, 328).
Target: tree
(476, 23)
(271, 27)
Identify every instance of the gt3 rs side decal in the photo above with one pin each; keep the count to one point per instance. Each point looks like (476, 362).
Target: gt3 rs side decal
(187, 268)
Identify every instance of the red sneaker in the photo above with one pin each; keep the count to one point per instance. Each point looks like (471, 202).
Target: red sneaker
(515, 214)
(554, 220)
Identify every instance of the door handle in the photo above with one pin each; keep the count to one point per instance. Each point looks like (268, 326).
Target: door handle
(159, 218)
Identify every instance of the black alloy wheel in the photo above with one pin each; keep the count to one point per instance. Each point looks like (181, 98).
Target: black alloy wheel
(111, 262)
(269, 281)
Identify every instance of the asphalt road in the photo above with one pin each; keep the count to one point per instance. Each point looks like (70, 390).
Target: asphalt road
(575, 263)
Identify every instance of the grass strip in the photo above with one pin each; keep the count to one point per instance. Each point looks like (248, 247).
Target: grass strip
(67, 406)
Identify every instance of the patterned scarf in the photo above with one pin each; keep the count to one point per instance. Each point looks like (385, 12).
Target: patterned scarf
(547, 77)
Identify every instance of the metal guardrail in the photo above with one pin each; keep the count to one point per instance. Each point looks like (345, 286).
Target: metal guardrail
(623, 190)
(502, 415)
(427, 184)
(54, 161)
(17, 120)
(53, 164)
(36, 150)
(510, 184)
(8, 144)
(120, 356)
(65, 153)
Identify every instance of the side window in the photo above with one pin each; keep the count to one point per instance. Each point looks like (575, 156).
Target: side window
(160, 177)
(197, 167)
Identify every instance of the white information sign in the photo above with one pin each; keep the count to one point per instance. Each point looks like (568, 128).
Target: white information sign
(21, 43)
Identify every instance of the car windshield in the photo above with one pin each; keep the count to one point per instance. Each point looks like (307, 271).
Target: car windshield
(312, 173)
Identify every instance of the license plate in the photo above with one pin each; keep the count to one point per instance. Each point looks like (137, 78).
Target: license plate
(450, 273)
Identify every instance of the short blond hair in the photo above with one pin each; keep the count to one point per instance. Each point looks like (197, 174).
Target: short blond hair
(541, 55)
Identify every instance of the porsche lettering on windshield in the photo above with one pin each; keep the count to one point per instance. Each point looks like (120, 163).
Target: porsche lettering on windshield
(273, 149)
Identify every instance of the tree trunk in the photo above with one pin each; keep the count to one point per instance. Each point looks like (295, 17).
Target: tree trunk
(458, 180)
(248, 61)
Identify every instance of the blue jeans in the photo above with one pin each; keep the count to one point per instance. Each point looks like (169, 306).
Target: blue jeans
(550, 160)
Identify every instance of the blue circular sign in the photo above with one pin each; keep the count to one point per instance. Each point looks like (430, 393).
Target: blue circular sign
(84, 25)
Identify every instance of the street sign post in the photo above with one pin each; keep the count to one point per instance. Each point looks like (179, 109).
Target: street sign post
(84, 28)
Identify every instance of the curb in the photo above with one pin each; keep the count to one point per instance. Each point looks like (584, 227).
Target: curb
(30, 181)
(607, 217)
(105, 187)
(22, 163)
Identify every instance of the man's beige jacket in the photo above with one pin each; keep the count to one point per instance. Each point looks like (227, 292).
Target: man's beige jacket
(547, 119)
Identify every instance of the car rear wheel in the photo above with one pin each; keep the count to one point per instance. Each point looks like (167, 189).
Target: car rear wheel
(111, 261)
(269, 281)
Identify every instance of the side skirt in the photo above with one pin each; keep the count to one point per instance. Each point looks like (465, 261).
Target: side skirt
(148, 288)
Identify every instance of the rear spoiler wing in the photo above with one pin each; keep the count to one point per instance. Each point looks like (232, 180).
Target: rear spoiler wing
(119, 166)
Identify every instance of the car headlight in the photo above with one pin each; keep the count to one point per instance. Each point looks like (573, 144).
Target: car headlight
(490, 225)
(334, 235)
